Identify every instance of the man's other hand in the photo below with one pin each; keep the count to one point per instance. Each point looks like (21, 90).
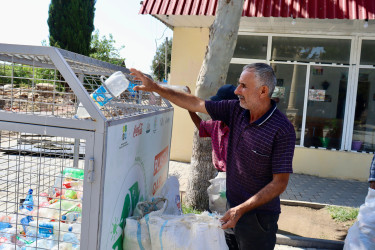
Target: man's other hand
(230, 218)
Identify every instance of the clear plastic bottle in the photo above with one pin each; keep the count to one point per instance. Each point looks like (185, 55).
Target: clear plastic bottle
(28, 204)
(115, 84)
(175, 87)
(70, 237)
(76, 173)
(71, 217)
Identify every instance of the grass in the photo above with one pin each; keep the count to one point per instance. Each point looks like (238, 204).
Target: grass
(189, 210)
(343, 213)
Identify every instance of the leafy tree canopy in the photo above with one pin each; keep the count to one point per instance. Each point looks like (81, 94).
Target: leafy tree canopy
(71, 23)
(104, 49)
(158, 63)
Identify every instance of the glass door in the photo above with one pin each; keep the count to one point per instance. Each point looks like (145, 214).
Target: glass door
(326, 106)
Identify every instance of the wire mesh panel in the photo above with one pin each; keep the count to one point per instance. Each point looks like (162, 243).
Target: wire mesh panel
(34, 84)
(129, 103)
(41, 191)
(33, 89)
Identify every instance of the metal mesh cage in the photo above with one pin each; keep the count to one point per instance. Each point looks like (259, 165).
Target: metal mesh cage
(49, 215)
(32, 83)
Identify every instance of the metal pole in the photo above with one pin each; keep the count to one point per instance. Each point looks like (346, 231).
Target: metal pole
(77, 142)
(166, 58)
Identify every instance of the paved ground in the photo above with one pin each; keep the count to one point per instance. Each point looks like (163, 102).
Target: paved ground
(326, 191)
(301, 187)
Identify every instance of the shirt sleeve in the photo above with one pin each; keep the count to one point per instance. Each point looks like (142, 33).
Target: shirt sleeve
(221, 110)
(206, 128)
(283, 151)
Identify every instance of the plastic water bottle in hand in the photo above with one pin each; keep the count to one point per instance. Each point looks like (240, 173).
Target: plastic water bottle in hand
(111, 87)
(175, 87)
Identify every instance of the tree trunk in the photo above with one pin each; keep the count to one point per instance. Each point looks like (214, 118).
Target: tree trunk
(213, 73)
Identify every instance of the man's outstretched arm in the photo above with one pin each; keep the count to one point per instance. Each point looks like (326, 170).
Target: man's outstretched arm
(183, 100)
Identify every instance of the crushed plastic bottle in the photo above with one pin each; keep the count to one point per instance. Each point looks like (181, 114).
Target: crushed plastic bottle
(26, 221)
(6, 221)
(42, 243)
(76, 173)
(48, 230)
(70, 237)
(111, 87)
(28, 204)
(71, 217)
(71, 194)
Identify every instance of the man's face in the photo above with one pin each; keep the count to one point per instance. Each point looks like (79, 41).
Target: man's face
(248, 91)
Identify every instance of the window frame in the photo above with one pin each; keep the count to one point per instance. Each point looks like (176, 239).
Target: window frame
(353, 73)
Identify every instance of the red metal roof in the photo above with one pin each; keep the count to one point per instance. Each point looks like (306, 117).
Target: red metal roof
(321, 9)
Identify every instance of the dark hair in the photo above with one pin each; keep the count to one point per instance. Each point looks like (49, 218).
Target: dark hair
(225, 92)
(264, 74)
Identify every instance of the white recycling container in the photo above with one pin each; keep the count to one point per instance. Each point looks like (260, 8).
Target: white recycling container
(86, 173)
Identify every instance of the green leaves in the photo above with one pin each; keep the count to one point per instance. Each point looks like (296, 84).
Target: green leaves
(71, 23)
(104, 49)
(343, 213)
(158, 63)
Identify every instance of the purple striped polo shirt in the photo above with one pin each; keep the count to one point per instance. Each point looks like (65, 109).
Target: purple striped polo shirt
(256, 150)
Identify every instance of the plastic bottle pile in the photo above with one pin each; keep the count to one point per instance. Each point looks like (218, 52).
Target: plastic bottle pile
(49, 220)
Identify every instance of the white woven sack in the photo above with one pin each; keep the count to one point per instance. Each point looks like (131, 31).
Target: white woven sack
(186, 232)
(361, 236)
(136, 233)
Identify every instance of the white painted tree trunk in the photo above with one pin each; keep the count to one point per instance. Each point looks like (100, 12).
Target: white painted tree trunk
(213, 73)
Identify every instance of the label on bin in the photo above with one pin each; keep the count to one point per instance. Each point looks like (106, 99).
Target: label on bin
(101, 96)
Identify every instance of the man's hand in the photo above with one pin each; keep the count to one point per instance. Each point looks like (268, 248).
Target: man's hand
(372, 184)
(230, 218)
(147, 84)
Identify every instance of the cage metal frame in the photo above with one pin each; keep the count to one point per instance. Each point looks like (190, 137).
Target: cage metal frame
(73, 67)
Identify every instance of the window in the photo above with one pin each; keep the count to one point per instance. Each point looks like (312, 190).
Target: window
(234, 73)
(326, 106)
(311, 50)
(254, 47)
(289, 93)
(364, 118)
(312, 87)
(368, 52)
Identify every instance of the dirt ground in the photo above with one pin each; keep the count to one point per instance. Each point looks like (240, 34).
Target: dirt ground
(312, 223)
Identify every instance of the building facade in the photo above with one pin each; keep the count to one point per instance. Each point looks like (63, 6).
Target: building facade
(323, 54)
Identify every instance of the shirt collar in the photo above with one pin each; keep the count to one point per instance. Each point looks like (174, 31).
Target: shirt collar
(263, 118)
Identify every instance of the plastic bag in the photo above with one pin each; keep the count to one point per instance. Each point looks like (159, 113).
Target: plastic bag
(156, 205)
(362, 234)
(185, 232)
(171, 192)
(216, 193)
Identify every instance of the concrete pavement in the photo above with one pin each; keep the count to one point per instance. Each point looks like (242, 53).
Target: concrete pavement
(303, 188)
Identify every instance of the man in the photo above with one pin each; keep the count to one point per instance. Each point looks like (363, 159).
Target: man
(372, 174)
(219, 133)
(217, 130)
(260, 152)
